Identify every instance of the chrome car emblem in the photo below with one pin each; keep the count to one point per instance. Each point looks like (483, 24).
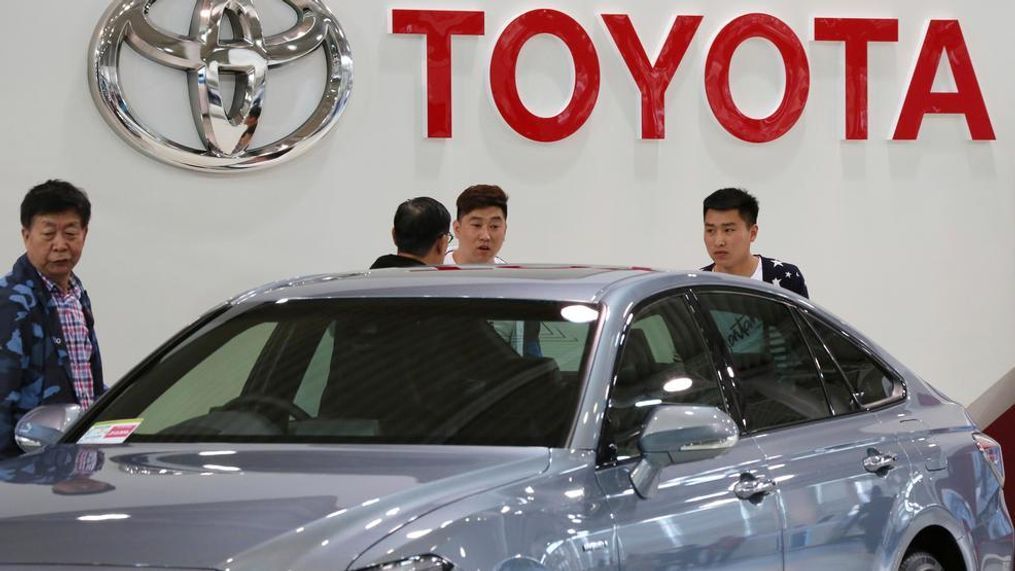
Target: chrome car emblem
(225, 130)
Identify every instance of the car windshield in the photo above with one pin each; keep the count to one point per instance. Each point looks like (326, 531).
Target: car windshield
(393, 371)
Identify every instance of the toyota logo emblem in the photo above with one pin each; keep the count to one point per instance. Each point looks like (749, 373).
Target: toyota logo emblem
(225, 128)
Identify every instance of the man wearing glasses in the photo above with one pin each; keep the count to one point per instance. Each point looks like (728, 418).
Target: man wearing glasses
(420, 234)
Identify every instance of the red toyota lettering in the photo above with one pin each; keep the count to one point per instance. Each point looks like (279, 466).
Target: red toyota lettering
(438, 26)
(856, 33)
(717, 78)
(944, 36)
(504, 85)
(652, 79)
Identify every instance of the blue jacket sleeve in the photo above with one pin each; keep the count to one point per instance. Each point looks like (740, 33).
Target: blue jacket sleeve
(15, 306)
(801, 285)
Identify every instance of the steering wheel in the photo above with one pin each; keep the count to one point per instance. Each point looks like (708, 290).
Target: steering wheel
(278, 404)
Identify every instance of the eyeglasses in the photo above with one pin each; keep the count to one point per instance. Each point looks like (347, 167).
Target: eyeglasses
(451, 237)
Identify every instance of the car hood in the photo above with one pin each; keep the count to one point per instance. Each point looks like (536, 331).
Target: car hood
(188, 506)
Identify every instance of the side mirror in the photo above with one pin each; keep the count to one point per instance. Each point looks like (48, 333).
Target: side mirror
(45, 425)
(675, 434)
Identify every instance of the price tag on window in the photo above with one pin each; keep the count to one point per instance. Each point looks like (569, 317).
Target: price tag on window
(110, 432)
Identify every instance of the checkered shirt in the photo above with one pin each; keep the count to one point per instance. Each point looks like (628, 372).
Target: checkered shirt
(85, 461)
(76, 338)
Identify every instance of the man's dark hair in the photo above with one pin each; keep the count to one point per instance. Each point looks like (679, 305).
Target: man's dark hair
(55, 196)
(418, 223)
(481, 196)
(733, 199)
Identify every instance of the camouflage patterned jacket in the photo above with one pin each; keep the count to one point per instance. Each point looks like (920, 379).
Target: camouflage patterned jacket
(34, 364)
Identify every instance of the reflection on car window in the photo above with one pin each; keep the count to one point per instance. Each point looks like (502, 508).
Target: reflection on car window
(776, 379)
(840, 394)
(311, 388)
(871, 382)
(377, 371)
(663, 360)
(215, 380)
(562, 341)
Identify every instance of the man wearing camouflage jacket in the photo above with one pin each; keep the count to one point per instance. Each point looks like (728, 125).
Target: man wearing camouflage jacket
(48, 350)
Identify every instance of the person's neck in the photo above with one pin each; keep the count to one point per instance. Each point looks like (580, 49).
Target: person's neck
(459, 258)
(63, 284)
(746, 268)
(411, 257)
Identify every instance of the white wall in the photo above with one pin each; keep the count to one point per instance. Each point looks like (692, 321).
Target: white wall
(914, 242)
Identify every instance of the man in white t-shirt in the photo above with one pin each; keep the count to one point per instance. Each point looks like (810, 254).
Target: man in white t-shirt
(480, 226)
(731, 225)
(480, 229)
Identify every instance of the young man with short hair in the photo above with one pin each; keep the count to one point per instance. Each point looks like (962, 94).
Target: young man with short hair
(420, 233)
(480, 226)
(731, 225)
(48, 350)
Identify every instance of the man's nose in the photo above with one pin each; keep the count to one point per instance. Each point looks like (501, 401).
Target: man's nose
(59, 243)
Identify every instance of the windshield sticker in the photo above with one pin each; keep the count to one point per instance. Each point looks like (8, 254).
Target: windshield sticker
(110, 432)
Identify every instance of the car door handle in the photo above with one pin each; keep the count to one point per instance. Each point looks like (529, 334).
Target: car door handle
(752, 486)
(876, 462)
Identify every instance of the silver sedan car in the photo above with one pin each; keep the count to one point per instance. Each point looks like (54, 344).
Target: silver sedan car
(510, 418)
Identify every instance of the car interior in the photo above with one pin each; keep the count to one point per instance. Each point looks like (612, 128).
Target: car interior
(389, 377)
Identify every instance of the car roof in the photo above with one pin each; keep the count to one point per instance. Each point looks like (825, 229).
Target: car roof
(580, 283)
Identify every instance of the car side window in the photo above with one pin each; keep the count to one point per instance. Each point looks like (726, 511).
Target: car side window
(870, 381)
(776, 379)
(840, 393)
(663, 360)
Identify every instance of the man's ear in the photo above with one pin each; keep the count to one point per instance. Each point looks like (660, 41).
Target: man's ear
(754, 232)
(438, 250)
(456, 226)
(393, 240)
(24, 234)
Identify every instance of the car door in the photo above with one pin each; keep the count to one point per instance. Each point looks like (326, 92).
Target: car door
(836, 467)
(696, 519)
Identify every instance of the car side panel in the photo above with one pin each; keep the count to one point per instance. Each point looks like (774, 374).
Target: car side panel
(557, 520)
(959, 490)
(836, 512)
(695, 520)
